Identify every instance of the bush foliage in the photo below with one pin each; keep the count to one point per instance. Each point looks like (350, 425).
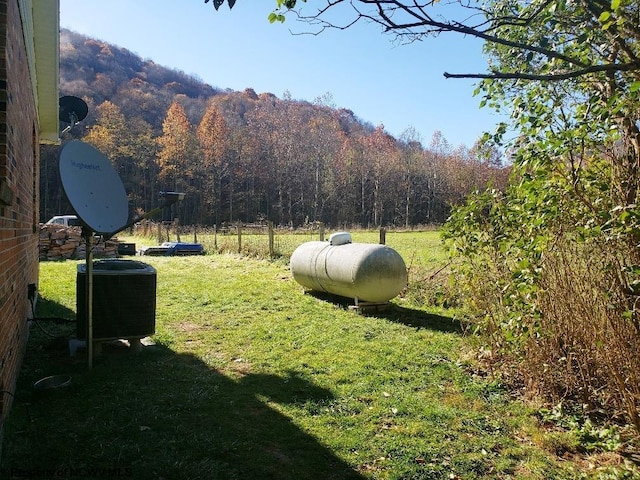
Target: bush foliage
(553, 282)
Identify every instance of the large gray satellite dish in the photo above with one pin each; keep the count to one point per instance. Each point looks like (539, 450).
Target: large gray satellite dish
(93, 188)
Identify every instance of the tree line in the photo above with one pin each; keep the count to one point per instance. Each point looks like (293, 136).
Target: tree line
(240, 156)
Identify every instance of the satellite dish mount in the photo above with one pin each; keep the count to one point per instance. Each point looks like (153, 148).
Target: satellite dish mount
(72, 111)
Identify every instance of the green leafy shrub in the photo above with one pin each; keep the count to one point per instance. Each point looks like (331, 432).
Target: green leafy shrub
(550, 271)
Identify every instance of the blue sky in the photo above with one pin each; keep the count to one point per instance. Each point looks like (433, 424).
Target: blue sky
(399, 86)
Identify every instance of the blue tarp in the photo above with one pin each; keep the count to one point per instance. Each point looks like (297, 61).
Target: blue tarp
(174, 248)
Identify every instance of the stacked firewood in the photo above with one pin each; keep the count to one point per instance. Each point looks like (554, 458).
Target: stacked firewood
(58, 242)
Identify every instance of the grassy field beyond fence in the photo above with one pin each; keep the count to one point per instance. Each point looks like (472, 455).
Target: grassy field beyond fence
(253, 240)
(250, 378)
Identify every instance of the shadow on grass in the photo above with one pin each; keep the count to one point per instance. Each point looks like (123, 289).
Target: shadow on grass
(420, 319)
(395, 313)
(50, 309)
(54, 323)
(161, 415)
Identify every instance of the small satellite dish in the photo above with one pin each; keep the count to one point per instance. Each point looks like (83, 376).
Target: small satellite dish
(93, 187)
(72, 109)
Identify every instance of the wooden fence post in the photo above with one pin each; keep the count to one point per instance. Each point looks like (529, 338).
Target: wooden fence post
(322, 231)
(271, 251)
(383, 236)
(239, 226)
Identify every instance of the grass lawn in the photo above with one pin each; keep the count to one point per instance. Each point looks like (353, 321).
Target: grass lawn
(250, 378)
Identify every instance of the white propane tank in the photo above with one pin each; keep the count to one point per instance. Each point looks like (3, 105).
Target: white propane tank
(366, 272)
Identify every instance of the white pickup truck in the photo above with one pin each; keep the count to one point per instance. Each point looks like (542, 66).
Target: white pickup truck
(65, 220)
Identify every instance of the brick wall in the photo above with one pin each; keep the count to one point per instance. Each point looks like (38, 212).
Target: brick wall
(18, 197)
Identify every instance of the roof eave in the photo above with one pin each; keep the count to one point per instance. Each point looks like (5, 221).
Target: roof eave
(46, 36)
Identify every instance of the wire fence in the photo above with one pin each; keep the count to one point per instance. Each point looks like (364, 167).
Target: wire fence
(257, 240)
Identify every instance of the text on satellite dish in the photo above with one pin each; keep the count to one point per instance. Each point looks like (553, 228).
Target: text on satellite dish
(85, 166)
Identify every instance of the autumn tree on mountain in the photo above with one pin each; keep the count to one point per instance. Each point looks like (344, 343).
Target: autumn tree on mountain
(356, 154)
(410, 159)
(176, 158)
(130, 146)
(106, 135)
(383, 159)
(321, 144)
(277, 126)
(213, 137)
(176, 145)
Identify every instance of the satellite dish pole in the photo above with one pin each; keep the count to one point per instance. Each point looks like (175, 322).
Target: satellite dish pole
(87, 233)
(73, 110)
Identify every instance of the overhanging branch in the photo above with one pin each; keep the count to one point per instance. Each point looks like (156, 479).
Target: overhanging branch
(614, 67)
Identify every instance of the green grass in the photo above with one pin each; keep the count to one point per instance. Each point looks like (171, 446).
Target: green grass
(250, 378)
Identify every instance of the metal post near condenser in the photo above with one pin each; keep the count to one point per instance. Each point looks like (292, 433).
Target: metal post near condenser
(88, 240)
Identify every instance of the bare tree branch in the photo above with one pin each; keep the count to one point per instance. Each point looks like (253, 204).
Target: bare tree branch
(430, 25)
(413, 20)
(616, 67)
